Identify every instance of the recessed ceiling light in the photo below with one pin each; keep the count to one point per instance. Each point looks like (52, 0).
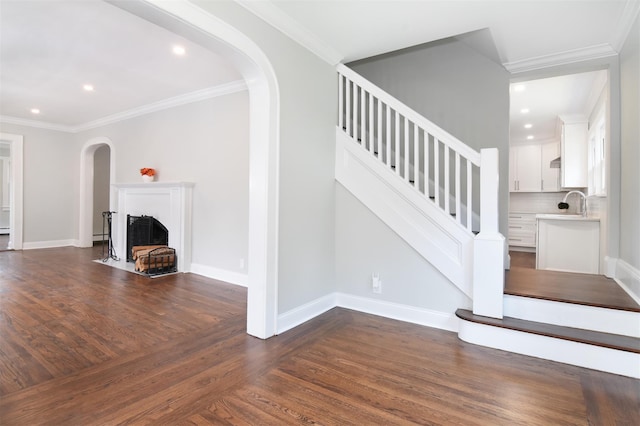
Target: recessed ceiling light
(179, 50)
(528, 126)
(35, 111)
(530, 137)
(519, 88)
(88, 87)
(524, 110)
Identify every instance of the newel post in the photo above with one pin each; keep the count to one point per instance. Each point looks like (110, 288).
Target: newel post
(488, 247)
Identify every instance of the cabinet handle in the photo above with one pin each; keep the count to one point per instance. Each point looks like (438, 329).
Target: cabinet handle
(542, 184)
(515, 239)
(518, 227)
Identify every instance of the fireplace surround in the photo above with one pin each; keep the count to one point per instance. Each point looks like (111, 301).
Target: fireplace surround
(168, 202)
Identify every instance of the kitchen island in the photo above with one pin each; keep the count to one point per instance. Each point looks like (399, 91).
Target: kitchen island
(568, 243)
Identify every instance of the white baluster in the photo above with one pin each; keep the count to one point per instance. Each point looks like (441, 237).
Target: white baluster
(371, 124)
(469, 196)
(457, 180)
(426, 163)
(340, 101)
(348, 107)
(436, 171)
(356, 110)
(396, 145)
(387, 111)
(406, 149)
(447, 178)
(363, 118)
(379, 130)
(416, 158)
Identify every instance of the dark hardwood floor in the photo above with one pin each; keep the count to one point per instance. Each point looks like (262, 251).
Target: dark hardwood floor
(586, 289)
(85, 344)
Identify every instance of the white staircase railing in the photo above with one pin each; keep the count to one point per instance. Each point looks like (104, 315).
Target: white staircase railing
(437, 172)
(434, 162)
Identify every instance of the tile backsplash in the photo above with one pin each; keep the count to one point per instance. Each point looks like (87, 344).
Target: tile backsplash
(547, 202)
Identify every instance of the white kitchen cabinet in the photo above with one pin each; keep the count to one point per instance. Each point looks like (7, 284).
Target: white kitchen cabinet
(524, 168)
(522, 229)
(568, 244)
(530, 170)
(550, 176)
(573, 147)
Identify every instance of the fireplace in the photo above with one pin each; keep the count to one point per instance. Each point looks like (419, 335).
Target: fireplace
(145, 231)
(167, 205)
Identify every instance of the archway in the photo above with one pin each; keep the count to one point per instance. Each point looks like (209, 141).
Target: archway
(190, 21)
(85, 232)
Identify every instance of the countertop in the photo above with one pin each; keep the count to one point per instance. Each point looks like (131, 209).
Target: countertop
(564, 216)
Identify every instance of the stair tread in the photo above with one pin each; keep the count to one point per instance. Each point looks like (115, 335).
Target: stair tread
(607, 340)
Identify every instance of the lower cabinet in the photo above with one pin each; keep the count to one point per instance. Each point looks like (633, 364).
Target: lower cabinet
(522, 229)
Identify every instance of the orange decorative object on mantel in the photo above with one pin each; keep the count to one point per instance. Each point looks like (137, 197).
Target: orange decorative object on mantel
(148, 174)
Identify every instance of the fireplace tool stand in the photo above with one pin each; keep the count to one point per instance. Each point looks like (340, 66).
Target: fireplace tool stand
(106, 223)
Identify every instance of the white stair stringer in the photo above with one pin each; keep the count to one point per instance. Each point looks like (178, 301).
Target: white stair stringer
(425, 227)
(551, 348)
(625, 323)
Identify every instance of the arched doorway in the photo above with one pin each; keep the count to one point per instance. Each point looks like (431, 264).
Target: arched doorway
(87, 157)
(188, 20)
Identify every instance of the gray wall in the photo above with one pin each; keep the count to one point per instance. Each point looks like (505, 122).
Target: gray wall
(630, 149)
(50, 184)
(308, 105)
(206, 143)
(365, 245)
(457, 88)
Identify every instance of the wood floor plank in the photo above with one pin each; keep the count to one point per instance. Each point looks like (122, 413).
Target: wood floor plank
(82, 343)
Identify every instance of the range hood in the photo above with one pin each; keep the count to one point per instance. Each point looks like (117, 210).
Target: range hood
(555, 164)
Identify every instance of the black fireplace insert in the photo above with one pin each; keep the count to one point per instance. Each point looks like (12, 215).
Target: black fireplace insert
(145, 231)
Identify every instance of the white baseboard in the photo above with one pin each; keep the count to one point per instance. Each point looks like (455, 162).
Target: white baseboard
(220, 274)
(306, 312)
(49, 244)
(629, 279)
(406, 313)
(553, 349)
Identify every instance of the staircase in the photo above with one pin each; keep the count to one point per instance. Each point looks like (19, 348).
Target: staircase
(440, 196)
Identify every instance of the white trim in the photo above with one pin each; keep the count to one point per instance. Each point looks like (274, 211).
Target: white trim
(187, 98)
(421, 316)
(553, 349)
(230, 277)
(628, 278)
(382, 308)
(306, 312)
(628, 18)
(195, 96)
(16, 219)
(568, 57)
(278, 19)
(49, 244)
(604, 320)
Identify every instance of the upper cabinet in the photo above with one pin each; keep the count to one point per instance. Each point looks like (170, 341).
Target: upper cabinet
(530, 170)
(573, 153)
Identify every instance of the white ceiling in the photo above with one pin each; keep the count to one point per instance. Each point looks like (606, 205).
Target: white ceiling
(48, 50)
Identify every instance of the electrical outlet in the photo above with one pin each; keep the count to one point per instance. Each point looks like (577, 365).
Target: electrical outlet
(376, 283)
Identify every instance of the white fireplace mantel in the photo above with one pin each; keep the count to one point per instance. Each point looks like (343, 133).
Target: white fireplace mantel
(169, 202)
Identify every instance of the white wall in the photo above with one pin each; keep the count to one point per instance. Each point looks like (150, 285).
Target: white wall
(365, 245)
(630, 149)
(206, 143)
(457, 88)
(101, 187)
(50, 186)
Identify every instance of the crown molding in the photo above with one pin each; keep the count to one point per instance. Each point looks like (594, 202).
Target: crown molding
(563, 58)
(198, 95)
(35, 123)
(278, 19)
(628, 18)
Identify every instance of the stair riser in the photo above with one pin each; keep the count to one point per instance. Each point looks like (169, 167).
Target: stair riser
(553, 349)
(572, 315)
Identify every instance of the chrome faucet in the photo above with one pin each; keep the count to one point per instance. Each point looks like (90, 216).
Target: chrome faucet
(582, 207)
